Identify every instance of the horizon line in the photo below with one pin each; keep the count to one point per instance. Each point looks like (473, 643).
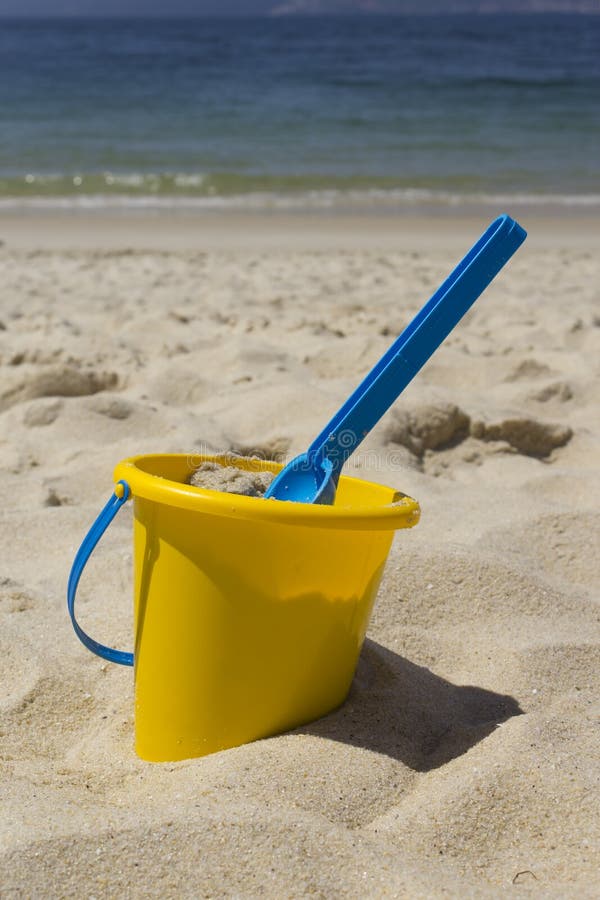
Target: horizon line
(270, 14)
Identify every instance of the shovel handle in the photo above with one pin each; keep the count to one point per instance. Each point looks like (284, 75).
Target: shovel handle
(411, 350)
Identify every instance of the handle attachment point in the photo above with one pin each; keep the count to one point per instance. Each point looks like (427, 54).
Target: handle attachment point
(122, 490)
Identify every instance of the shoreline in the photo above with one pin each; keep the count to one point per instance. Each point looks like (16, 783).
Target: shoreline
(167, 230)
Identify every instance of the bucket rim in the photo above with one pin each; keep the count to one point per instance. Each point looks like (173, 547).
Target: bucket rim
(396, 510)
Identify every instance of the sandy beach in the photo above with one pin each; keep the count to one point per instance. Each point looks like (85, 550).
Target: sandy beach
(466, 760)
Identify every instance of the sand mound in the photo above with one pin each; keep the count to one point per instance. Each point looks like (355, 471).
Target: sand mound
(525, 435)
(428, 427)
(58, 381)
(230, 479)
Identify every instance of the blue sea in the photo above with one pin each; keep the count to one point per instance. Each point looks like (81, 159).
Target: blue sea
(300, 110)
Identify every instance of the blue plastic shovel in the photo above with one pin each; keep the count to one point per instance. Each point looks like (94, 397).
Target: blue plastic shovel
(312, 477)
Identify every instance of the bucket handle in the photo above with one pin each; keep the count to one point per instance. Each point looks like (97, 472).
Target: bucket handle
(120, 496)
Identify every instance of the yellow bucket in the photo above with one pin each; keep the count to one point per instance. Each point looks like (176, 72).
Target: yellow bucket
(249, 614)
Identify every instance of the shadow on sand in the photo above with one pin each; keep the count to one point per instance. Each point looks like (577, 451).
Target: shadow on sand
(410, 714)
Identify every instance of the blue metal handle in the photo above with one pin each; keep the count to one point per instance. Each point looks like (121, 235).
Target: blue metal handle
(411, 350)
(83, 554)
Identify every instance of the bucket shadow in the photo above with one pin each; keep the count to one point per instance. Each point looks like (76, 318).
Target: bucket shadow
(406, 712)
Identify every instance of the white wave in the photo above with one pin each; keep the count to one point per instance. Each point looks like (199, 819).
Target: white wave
(321, 199)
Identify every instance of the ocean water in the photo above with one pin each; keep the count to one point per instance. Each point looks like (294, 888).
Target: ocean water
(292, 110)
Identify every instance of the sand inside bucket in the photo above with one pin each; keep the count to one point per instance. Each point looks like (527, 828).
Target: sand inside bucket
(230, 479)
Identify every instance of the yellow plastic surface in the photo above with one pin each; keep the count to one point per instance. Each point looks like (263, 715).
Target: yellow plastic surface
(249, 614)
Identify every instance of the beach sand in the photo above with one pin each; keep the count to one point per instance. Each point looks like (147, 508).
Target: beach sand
(466, 760)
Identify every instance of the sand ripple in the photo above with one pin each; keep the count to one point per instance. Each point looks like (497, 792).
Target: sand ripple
(465, 761)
